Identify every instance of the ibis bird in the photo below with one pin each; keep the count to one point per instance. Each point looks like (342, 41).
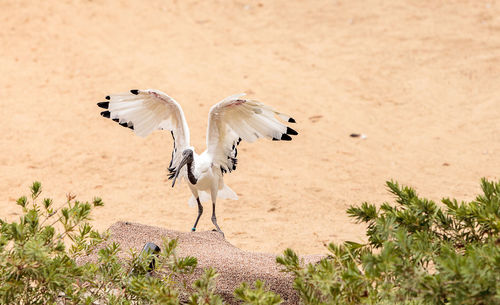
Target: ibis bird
(232, 120)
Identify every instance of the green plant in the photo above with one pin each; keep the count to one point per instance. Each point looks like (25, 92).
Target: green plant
(205, 290)
(417, 253)
(257, 296)
(39, 253)
(35, 265)
(39, 263)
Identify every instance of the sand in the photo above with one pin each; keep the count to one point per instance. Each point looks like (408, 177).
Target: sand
(419, 78)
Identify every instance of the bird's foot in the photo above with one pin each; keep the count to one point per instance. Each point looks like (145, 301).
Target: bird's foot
(193, 229)
(220, 231)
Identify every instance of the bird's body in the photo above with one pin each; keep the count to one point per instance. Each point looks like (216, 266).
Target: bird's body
(230, 121)
(209, 177)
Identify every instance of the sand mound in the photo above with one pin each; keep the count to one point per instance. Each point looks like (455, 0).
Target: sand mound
(212, 250)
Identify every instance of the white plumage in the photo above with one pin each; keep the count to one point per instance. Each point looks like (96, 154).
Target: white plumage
(230, 121)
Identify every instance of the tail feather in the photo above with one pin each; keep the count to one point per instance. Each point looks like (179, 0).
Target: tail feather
(224, 193)
(227, 193)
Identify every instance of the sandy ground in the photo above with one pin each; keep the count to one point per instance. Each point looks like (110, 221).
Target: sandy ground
(421, 79)
(234, 266)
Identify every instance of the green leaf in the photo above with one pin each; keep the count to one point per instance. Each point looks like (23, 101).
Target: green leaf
(98, 202)
(365, 213)
(256, 296)
(36, 189)
(22, 201)
(47, 202)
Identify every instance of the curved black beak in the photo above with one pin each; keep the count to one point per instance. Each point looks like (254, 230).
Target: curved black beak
(178, 169)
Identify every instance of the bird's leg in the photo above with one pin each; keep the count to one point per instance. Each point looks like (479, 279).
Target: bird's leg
(200, 211)
(214, 219)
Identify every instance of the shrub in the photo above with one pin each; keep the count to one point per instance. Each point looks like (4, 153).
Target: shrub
(38, 262)
(417, 253)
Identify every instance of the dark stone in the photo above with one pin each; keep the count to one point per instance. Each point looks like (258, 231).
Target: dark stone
(152, 249)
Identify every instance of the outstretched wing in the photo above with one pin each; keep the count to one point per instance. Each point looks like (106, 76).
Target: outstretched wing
(147, 110)
(235, 119)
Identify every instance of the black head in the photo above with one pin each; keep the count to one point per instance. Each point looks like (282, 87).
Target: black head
(187, 158)
(187, 155)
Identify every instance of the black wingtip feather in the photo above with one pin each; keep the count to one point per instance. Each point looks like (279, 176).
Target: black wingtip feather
(291, 120)
(274, 139)
(131, 127)
(124, 124)
(286, 137)
(223, 171)
(106, 114)
(104, 105)
(290, 131)
(134, 91)
(107, 97)
(116, 120)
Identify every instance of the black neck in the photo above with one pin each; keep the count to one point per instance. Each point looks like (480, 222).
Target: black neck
(191, 176)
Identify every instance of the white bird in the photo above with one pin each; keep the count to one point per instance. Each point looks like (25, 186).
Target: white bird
(229, 122)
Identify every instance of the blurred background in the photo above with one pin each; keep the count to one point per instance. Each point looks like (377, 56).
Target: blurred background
(420, 79)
